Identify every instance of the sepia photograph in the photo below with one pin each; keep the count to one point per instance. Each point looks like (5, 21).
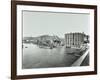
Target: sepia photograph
(53, 39)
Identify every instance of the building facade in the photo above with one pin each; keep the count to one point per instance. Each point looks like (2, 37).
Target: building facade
(75, 40)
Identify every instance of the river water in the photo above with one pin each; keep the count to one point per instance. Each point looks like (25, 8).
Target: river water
(35, 57)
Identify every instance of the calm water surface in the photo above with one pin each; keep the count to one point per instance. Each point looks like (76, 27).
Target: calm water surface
(35, 57)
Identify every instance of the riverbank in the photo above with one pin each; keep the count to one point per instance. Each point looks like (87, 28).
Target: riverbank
(35, 57)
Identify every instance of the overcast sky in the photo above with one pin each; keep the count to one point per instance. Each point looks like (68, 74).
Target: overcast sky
(50, 23)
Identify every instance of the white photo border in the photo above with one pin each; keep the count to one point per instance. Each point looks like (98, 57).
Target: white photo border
(21, 71)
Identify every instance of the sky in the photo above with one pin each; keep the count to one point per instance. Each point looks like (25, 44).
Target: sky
(52, 23)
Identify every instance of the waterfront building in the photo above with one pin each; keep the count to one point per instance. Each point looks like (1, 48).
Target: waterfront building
(75, 40)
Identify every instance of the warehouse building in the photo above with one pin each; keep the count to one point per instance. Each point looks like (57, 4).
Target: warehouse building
(75, 40)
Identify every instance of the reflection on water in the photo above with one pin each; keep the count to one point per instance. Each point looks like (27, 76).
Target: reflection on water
(35, 57)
